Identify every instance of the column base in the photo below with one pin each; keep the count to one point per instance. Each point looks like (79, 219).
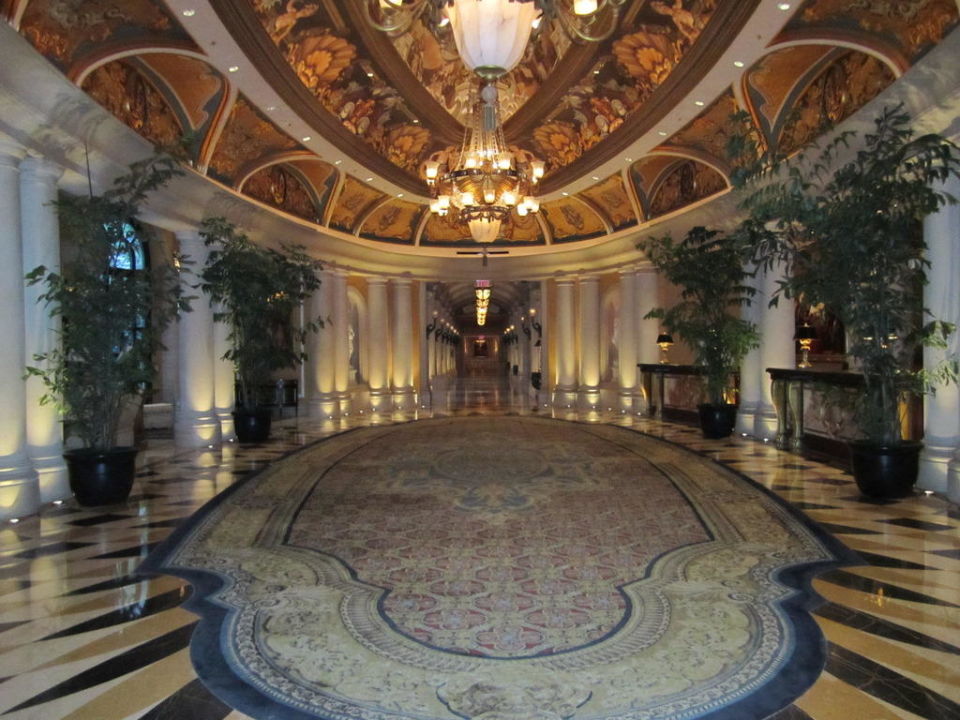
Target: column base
(325, 406)
(197, 431)
(746, 419)
(380, 400)
(404, 399)
(19, 489)
(765, 423)
(344, 403)
(565, 397)
(52, 477)
(629, 401)
(588, 398)
(227, 431)
(953, 479)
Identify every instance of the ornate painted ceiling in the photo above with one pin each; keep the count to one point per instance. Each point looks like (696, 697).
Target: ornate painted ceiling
(384, 105)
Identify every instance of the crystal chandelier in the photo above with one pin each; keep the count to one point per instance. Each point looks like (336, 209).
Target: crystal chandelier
(482, 291)
(491, 35)
(487, 180)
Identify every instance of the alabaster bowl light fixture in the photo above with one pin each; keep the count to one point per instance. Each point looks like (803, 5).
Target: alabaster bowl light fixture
(491, 35)
(487, 180)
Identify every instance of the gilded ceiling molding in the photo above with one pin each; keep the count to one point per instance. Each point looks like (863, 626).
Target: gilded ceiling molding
(82, 69)
(275, 159)
(545, 229)
(865, 42)
(397, 73)
(723, 28)
(242, 23)
(338, 185)
(424, 218)
(368, 213)
(209, 145)
(630, 189)
(596, 210)
(686, 153)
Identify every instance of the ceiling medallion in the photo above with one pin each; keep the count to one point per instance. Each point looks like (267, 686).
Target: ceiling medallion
(488, 180)
(491, 35)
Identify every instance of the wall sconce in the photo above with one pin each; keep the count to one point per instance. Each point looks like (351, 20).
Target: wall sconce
(536, 326)
(805, 335)
(664, 341)
(433, 325)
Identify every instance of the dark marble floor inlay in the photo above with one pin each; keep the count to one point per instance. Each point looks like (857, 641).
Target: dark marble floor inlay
(858, 582)
(132, 611)
(889, 685)
(191, 702)
(882, 628)
(918, 524)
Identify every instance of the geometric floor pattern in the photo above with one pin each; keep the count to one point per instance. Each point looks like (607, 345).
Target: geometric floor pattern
(83, 636)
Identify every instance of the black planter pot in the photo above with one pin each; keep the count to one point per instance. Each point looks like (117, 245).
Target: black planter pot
(252, 426)
(717, 421)
(101, 477)
(885, 473)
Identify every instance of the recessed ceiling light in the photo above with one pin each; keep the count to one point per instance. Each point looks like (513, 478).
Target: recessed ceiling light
(399, 194)
(566, 194)
(189, 13)
(368, 180)
(416, 121)
(698, 103)
(369, 74)
(784, 6)
(662, 133)
(597, 71)
(337, 162)
(738, 63)
(628, 159)
(233, 68)
(271, 108)
(306, 138)
(595, 177)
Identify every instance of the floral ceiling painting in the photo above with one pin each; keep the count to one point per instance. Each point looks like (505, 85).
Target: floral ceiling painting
(392, 102)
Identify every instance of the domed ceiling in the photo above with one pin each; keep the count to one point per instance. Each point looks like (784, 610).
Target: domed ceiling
(304, 107)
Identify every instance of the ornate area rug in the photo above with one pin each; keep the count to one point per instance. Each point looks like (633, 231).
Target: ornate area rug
(501, 568)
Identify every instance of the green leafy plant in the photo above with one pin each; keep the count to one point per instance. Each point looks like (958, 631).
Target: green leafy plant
(707, 267)
(258, 290)
(848, 233)
(106, 348)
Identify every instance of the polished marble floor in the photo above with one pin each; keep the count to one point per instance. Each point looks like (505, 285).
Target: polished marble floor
(83, 636)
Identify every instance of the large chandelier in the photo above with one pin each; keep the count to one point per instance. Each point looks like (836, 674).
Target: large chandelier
(487, 181)
(482, 291)
(491, 35)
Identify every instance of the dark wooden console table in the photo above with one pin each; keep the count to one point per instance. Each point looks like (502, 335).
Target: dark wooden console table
(787, 390)
(652, 377)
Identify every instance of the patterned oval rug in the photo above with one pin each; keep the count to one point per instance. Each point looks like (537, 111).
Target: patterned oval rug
(501, 568)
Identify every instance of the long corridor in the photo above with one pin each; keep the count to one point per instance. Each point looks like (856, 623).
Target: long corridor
(86, 636)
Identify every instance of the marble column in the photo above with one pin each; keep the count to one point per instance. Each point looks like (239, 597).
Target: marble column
(224, 381)
(627, 371)
(340, 315)
(40, 234)
(565, 393)
(379, 343)
(19, 487)
(322, 371)
(647, 298)
(589, 390)
(402, 345)
(776, 348)
(940, 459)
(752, 376)
(196, 423)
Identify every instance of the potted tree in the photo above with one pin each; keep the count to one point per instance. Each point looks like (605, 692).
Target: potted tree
(257, 291)
(707, 266)
(111, 323)
(850, 235)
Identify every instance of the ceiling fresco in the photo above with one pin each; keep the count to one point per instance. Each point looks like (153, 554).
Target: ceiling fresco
(394, 101)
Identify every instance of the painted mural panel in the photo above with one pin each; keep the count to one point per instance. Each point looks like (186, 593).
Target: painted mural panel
(355, 199)
(610, 195)
(247, 137)
(279, 187)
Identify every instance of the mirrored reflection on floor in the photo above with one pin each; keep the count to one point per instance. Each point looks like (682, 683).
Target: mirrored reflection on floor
(83, 635)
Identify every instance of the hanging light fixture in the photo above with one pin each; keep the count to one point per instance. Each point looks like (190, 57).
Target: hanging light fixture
(491, 35)
(482, 291)
(487, 180)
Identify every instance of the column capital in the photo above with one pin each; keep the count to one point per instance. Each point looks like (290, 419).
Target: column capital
(566, 281)
(11, 153)
(40, 169)
(589, 279)
(376, 280)
(401, 281)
